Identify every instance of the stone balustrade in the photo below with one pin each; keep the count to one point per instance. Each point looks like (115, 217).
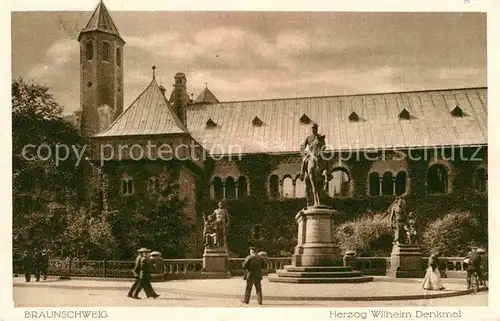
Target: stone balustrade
(450, 267)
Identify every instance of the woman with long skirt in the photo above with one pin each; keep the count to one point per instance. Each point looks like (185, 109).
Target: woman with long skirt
(432, 280)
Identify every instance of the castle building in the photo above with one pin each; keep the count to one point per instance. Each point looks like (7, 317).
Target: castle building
(371, 137)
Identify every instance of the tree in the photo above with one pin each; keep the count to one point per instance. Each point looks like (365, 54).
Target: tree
(156, 221)
(453, 234)
(42, 184)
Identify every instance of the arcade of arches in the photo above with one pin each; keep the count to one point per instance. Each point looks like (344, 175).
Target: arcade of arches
(387, 183)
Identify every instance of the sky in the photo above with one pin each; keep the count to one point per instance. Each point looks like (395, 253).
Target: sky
(261, 55)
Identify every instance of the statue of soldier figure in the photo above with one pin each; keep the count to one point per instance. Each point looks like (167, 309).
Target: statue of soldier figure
(216, 227)
(313, 165)
(398, 219)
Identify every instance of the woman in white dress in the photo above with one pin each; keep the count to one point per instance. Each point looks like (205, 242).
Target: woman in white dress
(432, 280)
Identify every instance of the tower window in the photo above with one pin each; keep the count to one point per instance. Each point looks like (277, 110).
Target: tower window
(89, 50)
(118, 57)
(127, 186)
(105, 51)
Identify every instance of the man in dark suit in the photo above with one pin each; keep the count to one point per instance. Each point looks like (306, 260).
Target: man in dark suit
(474, 265)
(27, 262)
(136, 270)
(253, 264)
(145, 277)
(44, 264)
(37, 260)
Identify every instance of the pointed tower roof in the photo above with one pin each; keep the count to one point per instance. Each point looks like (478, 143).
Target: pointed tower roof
(149, 114)
(101, 21)
(206, 96)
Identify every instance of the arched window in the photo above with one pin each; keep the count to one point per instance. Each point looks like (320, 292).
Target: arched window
(288, 188)
(242, 187)
(274, 189)
(481, 180)
(437, 179)
(230, 188)
(339, 184)
(300, 188)
(401, 183)
(105, 51)
(387, 184)
(218, 189)
(89, 50)
(374, 184)
(127, 185)
(118, 57)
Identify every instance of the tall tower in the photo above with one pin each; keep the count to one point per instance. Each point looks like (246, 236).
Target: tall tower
(101, 72)
(179, 97)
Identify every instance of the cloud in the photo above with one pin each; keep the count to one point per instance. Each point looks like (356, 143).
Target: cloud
(60, 54)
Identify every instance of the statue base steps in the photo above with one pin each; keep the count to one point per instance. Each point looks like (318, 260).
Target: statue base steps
(406, 262)
(215, 263)
(319, 274)
(317, 258)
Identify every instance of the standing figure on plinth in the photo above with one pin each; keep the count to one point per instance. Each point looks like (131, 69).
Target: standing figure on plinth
(411, 231)
(313, 165)
(398, 220)
(221, 221)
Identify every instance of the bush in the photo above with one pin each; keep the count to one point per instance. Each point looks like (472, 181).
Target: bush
(453, 234)
(369, 235)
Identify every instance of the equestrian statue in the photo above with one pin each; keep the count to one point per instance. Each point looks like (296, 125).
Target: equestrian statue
(314, 167)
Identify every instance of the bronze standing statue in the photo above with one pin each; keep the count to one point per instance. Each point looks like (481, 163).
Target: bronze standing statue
(313, 165)
(397, 217)
(217, 225)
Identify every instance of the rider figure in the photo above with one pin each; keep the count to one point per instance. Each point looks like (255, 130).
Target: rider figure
(474, 266)
(305, 149)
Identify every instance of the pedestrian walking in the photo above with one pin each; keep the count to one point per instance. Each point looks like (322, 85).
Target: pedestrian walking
(27, 262)
(44, 264)
(136, 270)
(253, 265)
(145, 278)
(37, 258)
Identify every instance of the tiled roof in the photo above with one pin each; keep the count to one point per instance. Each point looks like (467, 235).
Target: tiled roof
(206, 96)
(149, 114)
(429, 121)
(101, 21)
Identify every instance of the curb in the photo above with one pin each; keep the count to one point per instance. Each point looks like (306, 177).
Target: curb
(274, 298)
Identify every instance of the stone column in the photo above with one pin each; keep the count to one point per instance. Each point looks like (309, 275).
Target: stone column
(223, 190)
(236, 187)
(380, 186)
(393, 186)
(280, 182)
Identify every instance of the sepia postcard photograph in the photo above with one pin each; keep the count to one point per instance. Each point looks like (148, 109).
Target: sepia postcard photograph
(248, 159)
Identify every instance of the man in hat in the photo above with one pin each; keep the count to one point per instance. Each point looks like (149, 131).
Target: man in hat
(136, 270)
(44, 264)
(27, 262)
(145, 277)
(474, 265)
(253, 264)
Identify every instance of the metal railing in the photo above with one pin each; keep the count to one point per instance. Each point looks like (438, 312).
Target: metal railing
(451, 267)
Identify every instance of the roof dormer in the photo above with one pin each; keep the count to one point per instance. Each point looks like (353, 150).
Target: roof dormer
(457, 112)
(354, 117)
(210, 123)
(404, 114)
(257, 121)
(304, 119)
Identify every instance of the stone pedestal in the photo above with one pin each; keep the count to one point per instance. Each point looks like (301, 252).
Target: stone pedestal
(406, 262)
(315, 245)
(215, 263)
(317, 258)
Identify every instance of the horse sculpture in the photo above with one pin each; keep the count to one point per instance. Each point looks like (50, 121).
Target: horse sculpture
(315, 168)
